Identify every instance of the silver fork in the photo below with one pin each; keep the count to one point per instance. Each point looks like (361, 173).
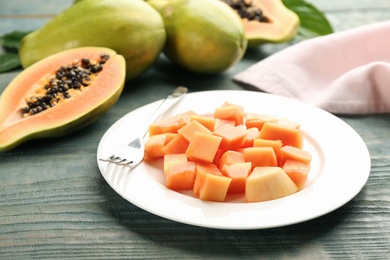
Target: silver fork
(132, 153)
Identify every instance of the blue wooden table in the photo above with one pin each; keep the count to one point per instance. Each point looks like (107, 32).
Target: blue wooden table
(54, 203)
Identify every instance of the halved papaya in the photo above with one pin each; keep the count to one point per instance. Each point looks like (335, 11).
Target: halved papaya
(60, 94)
(266, 21)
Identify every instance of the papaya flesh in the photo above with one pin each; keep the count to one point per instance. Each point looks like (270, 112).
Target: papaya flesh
(130, 27)
(203, 36)
(60, 94)
(266, 21)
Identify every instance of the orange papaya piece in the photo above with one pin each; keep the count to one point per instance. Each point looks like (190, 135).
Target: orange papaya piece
(154, 145)
(188, 130)
(275, 144)
(203, 147)
(297, 171)
(230, 112)
(230, 157)
(251, 135)
(206, 121)
(170, 124)
(180, 175)
(291, 152)
(258, 120)
(232, 136)
(177, 145)
(238, 173)
(260, 156)
(288, 135)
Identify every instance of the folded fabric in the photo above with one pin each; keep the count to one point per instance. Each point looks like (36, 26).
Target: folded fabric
(346, 72)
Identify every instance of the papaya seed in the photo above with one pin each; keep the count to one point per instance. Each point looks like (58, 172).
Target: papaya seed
(246, 9)
(72, 76)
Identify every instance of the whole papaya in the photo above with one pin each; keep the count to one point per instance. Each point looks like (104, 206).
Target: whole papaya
(130, 27)
(203, 36)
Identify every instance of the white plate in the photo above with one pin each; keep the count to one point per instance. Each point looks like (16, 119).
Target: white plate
(340, 166)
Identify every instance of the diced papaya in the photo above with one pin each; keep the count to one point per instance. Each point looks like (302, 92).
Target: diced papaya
(238, 172)
(169, 158)
(232, 136)
(180, 175)
(214, 187)
(177, 145)
(251, 135)
(230, 112)
(297, 171)
(230, 157)
(155, 144)
(275, 144)
(170, 124)
(201, 170)
(206, 121)
(221, 122)
(258, 120)
(288, 135)
(203, 147)
(268, 183)
(260, 156)
(291, 152)
(188, 130)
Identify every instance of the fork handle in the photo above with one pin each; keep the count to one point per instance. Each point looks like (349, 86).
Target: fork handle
(167, 103)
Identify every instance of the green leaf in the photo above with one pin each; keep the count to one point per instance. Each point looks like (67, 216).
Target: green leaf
(313, 21)
(11, 40)
(9, 61)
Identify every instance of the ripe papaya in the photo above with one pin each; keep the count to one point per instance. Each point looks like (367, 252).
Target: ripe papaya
(130, 27)
(266, 21)
(60, 94)
(203, 36)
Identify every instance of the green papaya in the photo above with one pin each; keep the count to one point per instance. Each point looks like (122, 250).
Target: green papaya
(203, 36)
(130, 27)
(60, 94)
(266, 21)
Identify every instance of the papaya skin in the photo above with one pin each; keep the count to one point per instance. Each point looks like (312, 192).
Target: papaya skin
(282, 28)
(64, 118)
(130, 27)
(203, 36)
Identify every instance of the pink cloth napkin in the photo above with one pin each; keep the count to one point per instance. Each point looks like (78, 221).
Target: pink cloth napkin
(344, 73)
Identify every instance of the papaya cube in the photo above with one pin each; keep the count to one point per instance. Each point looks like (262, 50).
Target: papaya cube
(188, 130)
(170, 158)
(180, 175)
(232, 136)
(251, 135)
(177, 145)
(154, 145)
(275, 144)
(268, 183)
(214, 187)
(221, 122)
(230, 112)
(230, 157)
(260, 156)
(170, 124)
(288, 135)
(206, 121)
(203, 147)
(258, 120)
(201, 170)
(238, 172)
(291, 152)
(297, 171)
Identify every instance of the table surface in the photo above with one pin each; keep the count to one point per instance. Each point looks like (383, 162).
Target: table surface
(54, 202)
